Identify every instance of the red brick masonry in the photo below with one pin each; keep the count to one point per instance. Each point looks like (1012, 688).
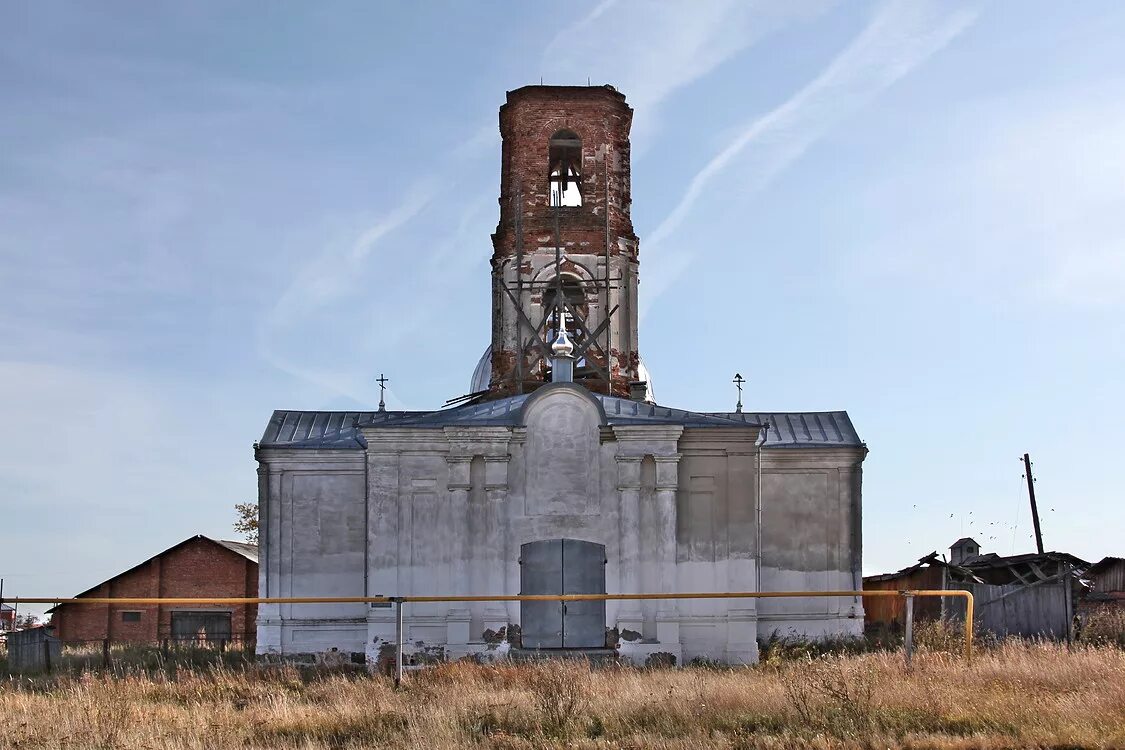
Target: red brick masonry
(196, 567)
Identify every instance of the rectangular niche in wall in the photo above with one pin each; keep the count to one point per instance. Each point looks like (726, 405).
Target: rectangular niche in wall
(562, 455)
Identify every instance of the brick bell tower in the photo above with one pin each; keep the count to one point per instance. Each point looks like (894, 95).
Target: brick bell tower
(564, 250)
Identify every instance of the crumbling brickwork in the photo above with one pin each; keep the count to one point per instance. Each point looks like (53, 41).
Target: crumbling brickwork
(197, 568)
(594, 121)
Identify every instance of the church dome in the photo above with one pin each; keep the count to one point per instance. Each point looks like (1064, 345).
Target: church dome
(643, 376)
(482, 376)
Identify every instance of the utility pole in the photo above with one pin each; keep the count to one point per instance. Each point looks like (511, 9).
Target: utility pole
(1034, 507)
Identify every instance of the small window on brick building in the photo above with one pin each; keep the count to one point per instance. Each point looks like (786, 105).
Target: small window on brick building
(565, 169)
(130, 617)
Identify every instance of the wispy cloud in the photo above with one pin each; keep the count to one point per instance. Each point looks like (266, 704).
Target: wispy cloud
(668, 46)
(333, 274)
(900, 37)
(366, 279)
(1068, 197)
(1094, 276)
(1028, 209)
(693, 40)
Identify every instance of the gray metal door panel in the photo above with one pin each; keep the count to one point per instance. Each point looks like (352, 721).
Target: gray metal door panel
(583, 572)
(541, 623)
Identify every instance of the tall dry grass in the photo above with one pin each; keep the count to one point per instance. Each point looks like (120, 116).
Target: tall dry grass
(1017, 695)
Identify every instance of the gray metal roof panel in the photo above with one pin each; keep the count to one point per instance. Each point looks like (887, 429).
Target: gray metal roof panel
(239, 548)
(626, 411)
(312, 429)
(810, 429)
(247, 550)
(324, 429)
(504, 411)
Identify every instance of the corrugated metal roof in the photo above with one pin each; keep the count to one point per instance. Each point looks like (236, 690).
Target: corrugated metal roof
(811, 429)
(325, 429)
(315, 429)
(993, 560)
(239, 548)
(249, 551)
(968, 568)
(1105, 562)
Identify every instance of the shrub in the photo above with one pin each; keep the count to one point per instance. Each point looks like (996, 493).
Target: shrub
(561, 690)
(1104, 626)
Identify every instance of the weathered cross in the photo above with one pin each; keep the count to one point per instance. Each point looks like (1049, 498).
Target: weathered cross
(738, 381)
(382, 380)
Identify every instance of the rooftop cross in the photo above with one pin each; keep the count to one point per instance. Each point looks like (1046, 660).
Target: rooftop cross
(738, 381)
(382, 380)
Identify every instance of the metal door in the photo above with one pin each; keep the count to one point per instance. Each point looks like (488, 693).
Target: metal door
(562, 566)
(541, 623)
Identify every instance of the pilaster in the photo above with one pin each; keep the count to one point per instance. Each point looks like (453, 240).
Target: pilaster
(629, 489)
(496, 542)
(269, 615)
(667, 483)
(382, 541)
(742, 552)
(457, 625)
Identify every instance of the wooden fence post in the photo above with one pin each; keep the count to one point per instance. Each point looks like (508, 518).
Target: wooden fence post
(909, 635)
(1068, 606)
(105, 653)
(398, 641)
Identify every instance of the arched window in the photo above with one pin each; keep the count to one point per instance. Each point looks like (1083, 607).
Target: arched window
(576, 298)
(565, 169)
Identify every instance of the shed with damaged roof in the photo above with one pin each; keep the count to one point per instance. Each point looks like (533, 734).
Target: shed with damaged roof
(1027, 594)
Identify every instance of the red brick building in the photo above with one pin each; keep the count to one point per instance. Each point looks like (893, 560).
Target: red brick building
(196, 567)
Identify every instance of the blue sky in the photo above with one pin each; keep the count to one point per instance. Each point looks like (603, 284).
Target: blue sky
(912, 211)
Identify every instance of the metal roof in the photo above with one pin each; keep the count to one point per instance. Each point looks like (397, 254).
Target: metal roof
(323, 429)
(249, 551)
(808, 429)
(993, 560)
(969, 568)
(1104, 563)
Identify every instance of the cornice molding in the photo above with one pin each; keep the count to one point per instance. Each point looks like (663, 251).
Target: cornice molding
(640, 433)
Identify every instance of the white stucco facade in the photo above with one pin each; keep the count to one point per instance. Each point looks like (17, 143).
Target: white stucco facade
(440, 504)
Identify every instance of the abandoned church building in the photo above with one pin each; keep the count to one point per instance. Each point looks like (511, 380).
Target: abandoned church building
(558, 472)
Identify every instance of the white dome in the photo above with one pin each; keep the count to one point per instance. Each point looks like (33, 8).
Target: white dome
(643, 376)
(482, 376)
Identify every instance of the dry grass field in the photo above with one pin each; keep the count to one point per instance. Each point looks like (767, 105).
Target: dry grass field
(1013, 695)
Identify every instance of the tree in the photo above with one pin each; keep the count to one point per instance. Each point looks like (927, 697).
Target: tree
(26, 621)
(247, 523)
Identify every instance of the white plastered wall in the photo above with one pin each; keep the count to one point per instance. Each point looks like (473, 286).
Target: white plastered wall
(445, 511)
